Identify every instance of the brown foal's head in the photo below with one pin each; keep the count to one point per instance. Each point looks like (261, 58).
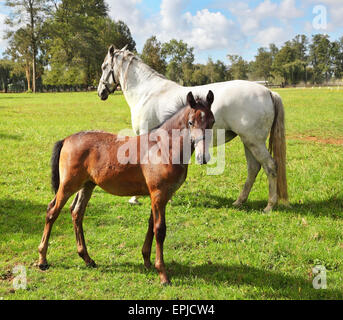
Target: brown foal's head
(200, 121)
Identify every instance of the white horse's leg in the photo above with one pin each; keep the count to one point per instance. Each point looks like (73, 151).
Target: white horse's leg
(261, 154)
(253, 169)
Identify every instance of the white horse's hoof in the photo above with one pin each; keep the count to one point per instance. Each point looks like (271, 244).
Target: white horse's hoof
(237, 204)
(268, 208)
(134, 201)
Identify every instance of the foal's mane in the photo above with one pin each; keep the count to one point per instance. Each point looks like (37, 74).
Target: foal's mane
(180, 106)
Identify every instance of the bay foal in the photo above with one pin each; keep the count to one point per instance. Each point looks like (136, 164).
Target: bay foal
(153, 164)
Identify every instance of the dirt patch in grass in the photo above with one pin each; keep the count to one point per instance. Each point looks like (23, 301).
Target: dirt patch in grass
(6, 276)
(333, 141)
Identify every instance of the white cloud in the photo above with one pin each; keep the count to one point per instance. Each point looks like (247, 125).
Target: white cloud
(265, 19)
(204, 30)
(128, 12)
(170, 14)
(210, 30)
(288, 10)
(269, 35)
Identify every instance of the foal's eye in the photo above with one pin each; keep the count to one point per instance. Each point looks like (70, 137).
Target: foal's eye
(190, 123)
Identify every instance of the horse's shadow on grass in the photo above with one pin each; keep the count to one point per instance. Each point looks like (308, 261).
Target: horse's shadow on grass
(273, 284)
(6, 136)
(332, 207)
(21, 216)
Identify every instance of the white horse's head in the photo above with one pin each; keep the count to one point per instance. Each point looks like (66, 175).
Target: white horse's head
(200, 123)
(109, 80)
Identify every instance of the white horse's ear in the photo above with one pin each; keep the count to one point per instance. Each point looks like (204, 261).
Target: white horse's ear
(210, 98)
(124, 48)
(111, 50)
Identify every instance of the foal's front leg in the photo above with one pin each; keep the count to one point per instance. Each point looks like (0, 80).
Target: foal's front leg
(158, 206)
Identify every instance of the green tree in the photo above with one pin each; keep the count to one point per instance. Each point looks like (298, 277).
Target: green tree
(215, 71)
(80, 33)
(300, 45)
(273, 49)
(180, 57)
(320, 57)
(6, 67)
(239, 68)
(263, 63)
(286, 66)
(19, 50)
(337, 58)
(152, 55)
(31, 14)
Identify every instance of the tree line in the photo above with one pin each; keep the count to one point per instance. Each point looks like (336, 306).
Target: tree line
(301, 60)
(60, 45)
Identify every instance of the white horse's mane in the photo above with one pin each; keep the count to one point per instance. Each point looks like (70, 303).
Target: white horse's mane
(144, 69)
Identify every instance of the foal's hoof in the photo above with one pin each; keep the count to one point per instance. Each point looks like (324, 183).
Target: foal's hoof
(91, 264)
(43, 266)
(147, 264)
(166, 283)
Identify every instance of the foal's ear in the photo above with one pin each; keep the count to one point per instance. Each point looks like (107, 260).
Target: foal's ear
(111, 50)
(210, 98)
(124, 48)
(191, 100)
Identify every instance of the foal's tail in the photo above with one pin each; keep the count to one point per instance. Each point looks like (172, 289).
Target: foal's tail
(277, 146)
(55, 159)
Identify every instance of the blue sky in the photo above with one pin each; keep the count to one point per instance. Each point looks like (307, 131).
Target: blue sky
(220, 27)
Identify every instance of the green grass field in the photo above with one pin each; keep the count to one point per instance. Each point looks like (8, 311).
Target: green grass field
(212, 250)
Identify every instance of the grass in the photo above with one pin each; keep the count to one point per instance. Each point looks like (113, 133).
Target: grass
(212, 250)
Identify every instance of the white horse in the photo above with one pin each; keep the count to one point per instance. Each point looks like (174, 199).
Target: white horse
(242, 108)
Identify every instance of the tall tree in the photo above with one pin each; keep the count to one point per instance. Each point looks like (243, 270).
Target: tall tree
(300, 45)
(31, 14)
(19, 50)
(239, 68)
(263, 63)
(283, 64)
(320, 57)
(337, 58)
(5, 69)
(180, 57)
(80, 33)
(152, 55)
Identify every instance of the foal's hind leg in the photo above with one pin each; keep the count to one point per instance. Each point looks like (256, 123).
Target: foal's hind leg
(253, 169)
(77, 210)
(146, 250)
(261, 154)
(54, 209)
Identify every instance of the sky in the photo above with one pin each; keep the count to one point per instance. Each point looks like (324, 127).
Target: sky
(220, 27)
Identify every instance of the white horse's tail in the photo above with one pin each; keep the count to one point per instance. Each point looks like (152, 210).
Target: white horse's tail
(277, 146)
